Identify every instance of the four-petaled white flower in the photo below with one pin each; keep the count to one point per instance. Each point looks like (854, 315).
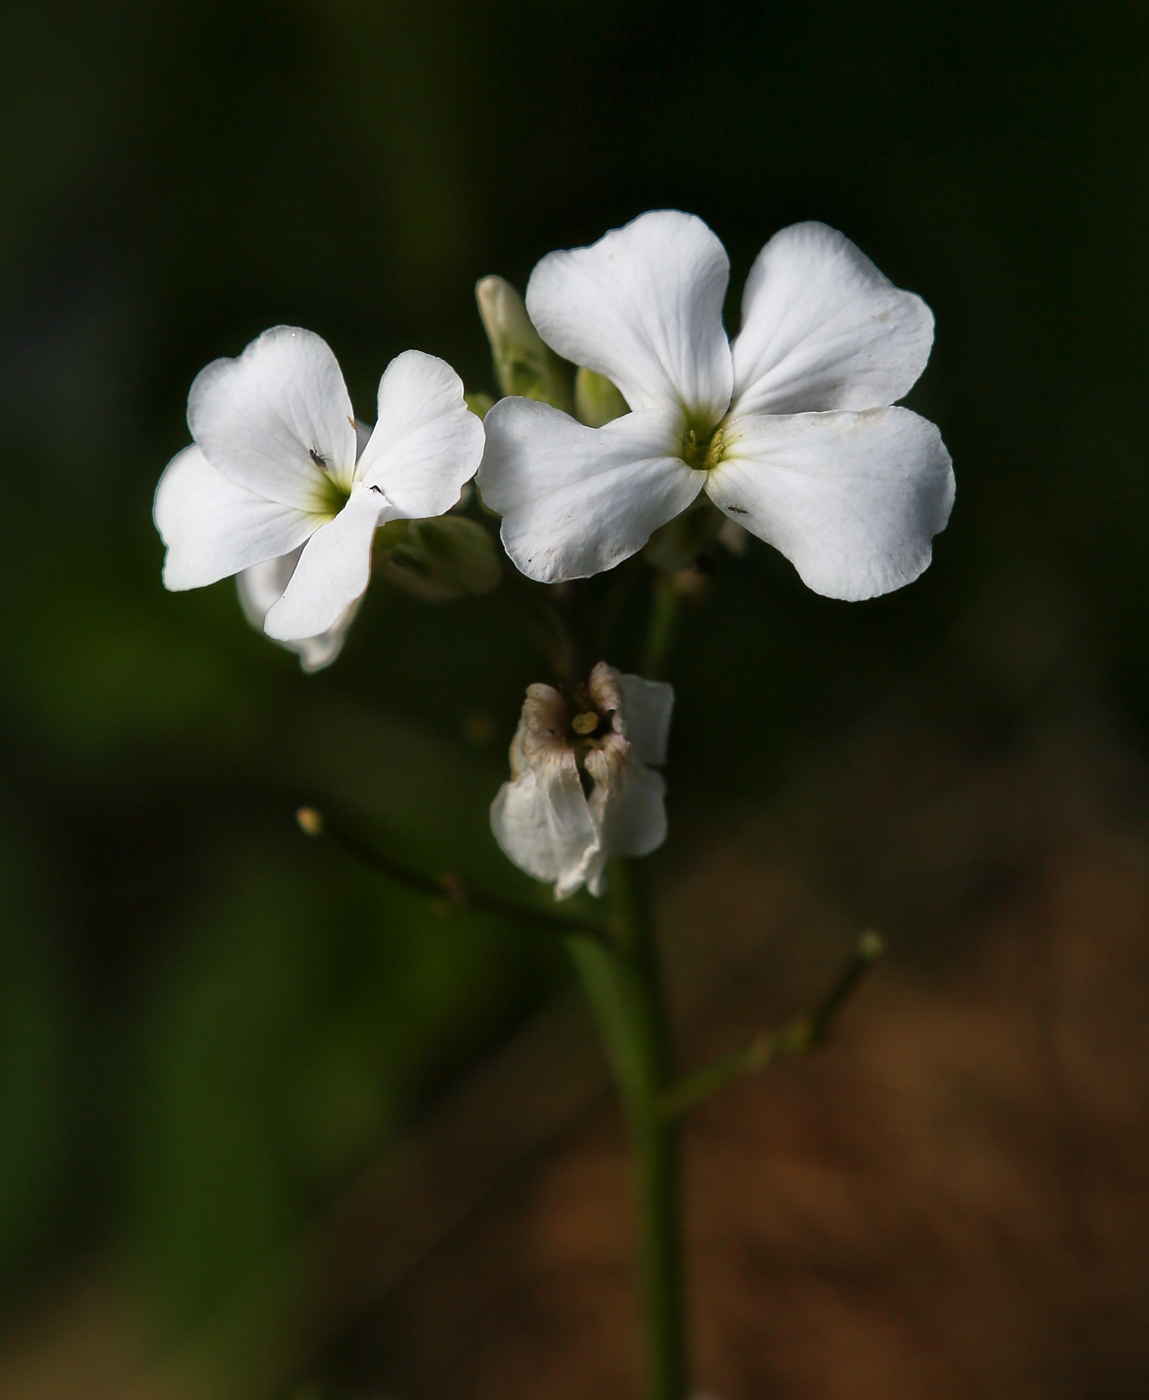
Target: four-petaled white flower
(788, 428)
(543, 819)
(277, 471)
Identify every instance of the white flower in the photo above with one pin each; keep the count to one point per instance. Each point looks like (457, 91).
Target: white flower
(543, 819)
(276, 472)
(788, 428)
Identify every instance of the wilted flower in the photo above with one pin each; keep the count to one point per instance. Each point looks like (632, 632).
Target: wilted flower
(788, 428)
(276, 471)
(581, 787)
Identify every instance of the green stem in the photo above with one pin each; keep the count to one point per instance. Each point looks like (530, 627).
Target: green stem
(624, 987)
(663, 626)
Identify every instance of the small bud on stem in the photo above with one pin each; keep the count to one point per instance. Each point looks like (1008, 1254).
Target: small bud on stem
(524, 365)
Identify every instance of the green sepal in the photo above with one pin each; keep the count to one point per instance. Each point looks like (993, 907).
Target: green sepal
(597, 401)
(680, 541)
(445, 557)
(479, 403)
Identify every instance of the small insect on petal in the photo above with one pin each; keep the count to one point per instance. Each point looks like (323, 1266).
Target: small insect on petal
(319, 460)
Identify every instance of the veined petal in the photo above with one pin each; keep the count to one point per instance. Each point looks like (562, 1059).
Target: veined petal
(851, 499)
(823, 329)
(261, 586)
(641, 709)
(577, 500)
(643, 306)
(543, 824)
(427, 444)
(628, 802)
(278, 418)
(333, 570)
(213, 527)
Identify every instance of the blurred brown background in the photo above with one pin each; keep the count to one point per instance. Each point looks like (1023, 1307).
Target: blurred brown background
(271, 1126)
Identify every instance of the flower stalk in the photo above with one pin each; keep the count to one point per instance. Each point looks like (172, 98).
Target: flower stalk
(623, 984)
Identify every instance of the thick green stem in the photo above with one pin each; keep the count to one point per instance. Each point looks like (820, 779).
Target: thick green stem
(625, 991)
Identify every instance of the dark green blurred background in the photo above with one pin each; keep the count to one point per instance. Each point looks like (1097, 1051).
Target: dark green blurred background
(208, 1024)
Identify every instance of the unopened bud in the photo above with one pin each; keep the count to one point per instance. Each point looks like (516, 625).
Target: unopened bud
(597, 401)
(445, 557)
(310, 821)
(871, 945)
(524, 365)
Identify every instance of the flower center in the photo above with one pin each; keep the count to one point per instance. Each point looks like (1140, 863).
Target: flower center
(702, 445)
(330, 496)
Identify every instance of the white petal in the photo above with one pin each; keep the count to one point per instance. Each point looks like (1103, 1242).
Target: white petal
(647, 709)
(577, 500)
(214, 528)
(262, 585)
(427, 444)
(643, 306)
(332, 572)
(629, 804)
(851, 499)
(543, 824)
(259, 419)
(641, 709)
(822, 328)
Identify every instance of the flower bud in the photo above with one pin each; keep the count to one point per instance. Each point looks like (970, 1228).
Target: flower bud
(597, 401)
(446, 557)
(523, 364)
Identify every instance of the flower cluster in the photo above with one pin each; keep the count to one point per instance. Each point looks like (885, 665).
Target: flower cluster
(791, 430)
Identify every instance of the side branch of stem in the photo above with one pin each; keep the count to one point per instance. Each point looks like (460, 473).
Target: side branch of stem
(449, 891)
(794, 1038)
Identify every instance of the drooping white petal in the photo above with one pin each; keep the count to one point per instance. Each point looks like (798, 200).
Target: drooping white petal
(628, 802)
(823, 329)
(577, 500)
(643, 306)
(540, 818)
(543, 825)
(261, 586)
(278, 418)
(213, 528)
(333, 570)
(427, 444)
(851, 499)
